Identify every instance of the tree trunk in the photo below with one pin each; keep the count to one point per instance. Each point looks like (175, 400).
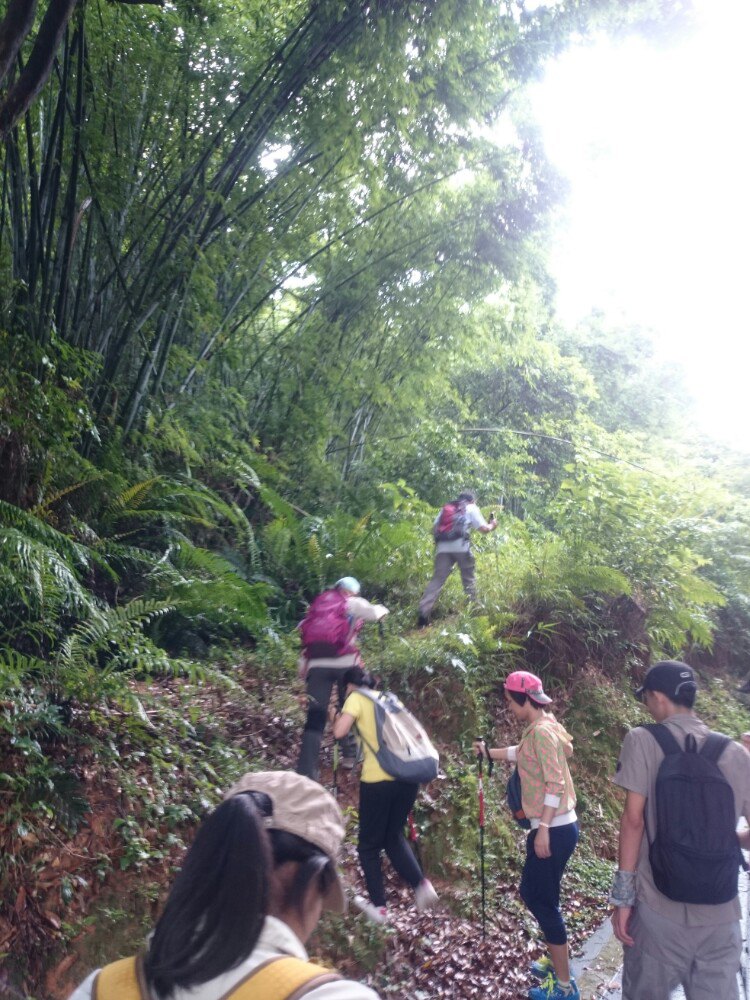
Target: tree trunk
(14, 27)
(36, 71)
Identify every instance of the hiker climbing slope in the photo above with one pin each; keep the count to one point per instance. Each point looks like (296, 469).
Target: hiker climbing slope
(548, 800)
(385, 799)
(451, 531)
(251, 891)
(329, 647)
(677, 911)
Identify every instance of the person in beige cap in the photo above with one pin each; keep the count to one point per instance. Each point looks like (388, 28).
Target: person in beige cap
(260, 872)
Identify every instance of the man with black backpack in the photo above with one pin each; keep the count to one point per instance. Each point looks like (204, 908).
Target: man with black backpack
(676, 908)
(451, 530)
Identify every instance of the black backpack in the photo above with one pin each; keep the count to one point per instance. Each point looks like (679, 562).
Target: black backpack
(513, 798)
(695, 855)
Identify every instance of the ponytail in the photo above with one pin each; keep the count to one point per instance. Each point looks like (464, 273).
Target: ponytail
(359, 677)
(218, 902)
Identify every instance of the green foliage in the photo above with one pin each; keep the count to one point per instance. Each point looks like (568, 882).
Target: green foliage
(719, 709)
(273, 290)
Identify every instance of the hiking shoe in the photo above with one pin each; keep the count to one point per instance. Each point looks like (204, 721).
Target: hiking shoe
(551, 989)
(348, 763)
(425, 896)
(542, 967)
(422, 620)
(376, 914)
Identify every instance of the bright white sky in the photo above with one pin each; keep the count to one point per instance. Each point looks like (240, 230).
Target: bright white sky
(655, 143)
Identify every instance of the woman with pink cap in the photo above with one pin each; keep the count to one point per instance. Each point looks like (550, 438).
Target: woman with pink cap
(548, 799)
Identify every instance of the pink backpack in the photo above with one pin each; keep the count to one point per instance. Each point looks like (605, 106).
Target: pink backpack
(326, 629)
(453, 522)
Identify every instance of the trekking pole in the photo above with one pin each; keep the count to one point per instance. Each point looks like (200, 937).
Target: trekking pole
(496, 544)
(480, 789)
(335, 769)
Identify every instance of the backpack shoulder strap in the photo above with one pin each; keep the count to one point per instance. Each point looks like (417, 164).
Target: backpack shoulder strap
(663, 737)
(714, 746)
(374, 698)
(123, 980)
(281, 978)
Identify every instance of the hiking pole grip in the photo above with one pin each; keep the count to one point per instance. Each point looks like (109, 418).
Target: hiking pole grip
(485, 756)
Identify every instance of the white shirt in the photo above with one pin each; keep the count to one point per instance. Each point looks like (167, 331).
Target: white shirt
(276, 938)
(475, 519)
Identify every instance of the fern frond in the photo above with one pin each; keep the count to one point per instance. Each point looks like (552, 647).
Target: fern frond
(36, 575)
(135, 495)
(51, 500)
(38, 530)
(16, 668)
(191, 557)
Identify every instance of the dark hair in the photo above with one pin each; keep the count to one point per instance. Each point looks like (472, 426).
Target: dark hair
(520, 698)
(359, 677)
(468, 495)
(218, 902)
(313, 865)
(684, 698)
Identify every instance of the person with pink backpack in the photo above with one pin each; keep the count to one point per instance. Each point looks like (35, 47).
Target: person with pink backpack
(329, 648)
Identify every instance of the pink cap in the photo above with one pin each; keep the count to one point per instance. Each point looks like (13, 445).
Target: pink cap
(523, 682)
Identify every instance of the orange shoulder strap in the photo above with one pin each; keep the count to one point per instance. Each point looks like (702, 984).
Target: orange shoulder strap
(283, 978)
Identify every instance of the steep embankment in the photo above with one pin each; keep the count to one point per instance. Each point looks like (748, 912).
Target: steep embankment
(86, 877)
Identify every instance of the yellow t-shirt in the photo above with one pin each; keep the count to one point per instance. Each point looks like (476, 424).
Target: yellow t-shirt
(363, 710)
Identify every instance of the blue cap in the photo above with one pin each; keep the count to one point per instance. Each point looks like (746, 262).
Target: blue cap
(348, 583)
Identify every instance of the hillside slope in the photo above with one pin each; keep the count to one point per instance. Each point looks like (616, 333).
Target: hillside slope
(86, 877)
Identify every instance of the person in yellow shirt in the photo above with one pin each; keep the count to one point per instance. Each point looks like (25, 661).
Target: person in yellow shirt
(384, 804)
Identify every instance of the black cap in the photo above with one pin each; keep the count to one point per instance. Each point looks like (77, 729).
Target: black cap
(670, 677)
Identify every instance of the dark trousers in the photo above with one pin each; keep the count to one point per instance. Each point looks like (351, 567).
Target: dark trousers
(320, 682)
(540, 882)
(383, 809)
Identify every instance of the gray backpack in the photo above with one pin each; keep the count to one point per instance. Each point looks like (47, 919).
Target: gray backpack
(405, 751)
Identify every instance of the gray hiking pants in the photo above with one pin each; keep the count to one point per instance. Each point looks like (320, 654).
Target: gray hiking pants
(703, 960)
(320, 681)
(444, 562)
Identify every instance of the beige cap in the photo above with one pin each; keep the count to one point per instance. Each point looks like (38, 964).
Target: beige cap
(302, 807)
